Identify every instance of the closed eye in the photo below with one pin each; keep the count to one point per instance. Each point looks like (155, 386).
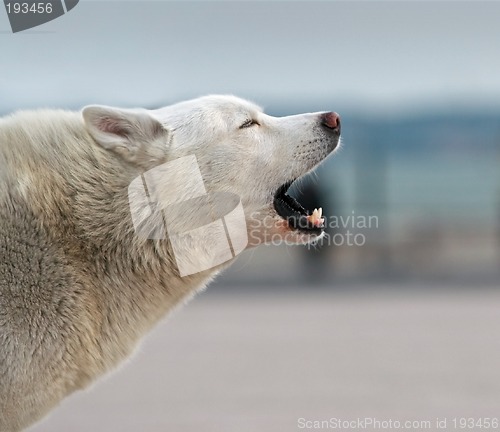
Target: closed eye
(249, 123)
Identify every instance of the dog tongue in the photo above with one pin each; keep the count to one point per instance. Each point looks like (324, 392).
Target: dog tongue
(315, 218)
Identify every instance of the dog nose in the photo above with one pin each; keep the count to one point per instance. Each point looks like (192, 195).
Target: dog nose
(331, 120)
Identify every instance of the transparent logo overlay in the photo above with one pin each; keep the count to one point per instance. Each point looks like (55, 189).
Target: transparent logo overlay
(204, 229)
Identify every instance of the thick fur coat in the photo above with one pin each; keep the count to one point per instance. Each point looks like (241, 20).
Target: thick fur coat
(78, 286)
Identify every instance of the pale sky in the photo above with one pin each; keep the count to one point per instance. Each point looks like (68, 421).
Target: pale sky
(362, 55)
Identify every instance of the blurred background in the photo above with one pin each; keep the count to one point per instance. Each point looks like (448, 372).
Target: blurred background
(396, 314)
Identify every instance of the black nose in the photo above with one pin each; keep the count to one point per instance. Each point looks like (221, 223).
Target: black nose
(331, 121)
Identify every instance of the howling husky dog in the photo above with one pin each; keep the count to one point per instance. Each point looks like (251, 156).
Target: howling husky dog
(81, 279)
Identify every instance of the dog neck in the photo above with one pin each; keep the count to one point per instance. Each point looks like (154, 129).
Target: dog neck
(81, 201)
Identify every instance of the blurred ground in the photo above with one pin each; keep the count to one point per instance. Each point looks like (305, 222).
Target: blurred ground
(260, 360)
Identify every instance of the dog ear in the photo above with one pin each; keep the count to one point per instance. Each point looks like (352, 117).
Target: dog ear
(130, 133)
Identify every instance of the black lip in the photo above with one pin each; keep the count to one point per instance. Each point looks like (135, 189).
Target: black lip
(292, 211)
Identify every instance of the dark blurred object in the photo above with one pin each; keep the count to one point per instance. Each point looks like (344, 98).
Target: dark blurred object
(317, 259)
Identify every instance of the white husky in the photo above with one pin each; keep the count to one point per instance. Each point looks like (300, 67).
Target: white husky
(78, 285)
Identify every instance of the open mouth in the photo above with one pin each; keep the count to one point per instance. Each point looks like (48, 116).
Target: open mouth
(295, 214)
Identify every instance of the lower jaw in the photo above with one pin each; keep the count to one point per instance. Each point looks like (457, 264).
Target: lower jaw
(297, 237)
(272, 229)
(301, 226)
(307, 222)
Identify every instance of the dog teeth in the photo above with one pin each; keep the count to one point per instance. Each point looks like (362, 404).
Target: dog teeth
(316, 218)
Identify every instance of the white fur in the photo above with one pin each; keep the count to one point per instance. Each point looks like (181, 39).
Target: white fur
(78, 287)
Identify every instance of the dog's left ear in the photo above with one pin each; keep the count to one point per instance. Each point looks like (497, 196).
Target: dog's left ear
(133, 134)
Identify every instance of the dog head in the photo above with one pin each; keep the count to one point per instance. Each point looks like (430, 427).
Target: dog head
(238, 149)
